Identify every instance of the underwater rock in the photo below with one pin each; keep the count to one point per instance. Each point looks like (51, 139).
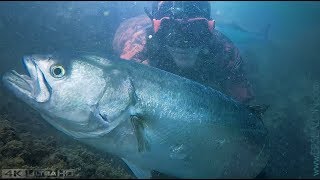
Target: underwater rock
(7, 134)
(16, 162)
(12, 148)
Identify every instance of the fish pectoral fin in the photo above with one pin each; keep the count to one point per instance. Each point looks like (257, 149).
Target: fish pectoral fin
(139, 130)
(140, 173)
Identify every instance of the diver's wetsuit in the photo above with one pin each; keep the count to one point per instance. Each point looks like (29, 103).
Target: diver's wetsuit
(219, 64)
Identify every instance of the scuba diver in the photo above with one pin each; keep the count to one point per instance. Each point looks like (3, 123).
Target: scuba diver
(180, 37)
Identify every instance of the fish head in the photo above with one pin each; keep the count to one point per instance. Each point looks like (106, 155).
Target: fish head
(63, 90)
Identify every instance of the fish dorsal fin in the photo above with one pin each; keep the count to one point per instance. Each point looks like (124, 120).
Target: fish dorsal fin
(258, 110)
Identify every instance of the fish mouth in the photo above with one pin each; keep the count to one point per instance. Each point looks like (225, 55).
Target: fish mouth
(20, 82)
(31, 86)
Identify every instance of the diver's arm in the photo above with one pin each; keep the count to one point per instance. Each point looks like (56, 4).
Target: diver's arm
(237, 83)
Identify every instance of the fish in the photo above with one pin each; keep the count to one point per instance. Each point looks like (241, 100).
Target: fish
(242, 37)
(151, 119)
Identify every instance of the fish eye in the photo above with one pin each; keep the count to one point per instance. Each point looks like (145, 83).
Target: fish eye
(57, 71)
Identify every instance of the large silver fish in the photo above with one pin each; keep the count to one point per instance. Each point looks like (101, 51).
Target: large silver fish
(152, 119)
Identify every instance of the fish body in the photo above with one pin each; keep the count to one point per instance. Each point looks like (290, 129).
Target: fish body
(152, 119)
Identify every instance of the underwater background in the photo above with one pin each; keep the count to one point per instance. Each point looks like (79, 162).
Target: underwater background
(283, 69)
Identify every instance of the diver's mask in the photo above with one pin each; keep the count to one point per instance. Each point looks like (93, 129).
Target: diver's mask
(182, 24)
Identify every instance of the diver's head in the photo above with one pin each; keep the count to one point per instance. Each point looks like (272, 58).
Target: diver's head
(183, 27)
(181, 9)
(182, 24)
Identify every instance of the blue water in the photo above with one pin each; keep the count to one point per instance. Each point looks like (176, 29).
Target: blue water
(284, 69)
(287, 18)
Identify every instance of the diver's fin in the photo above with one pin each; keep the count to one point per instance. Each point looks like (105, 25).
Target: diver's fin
(137, 171)
(258, 110)
(138, 127)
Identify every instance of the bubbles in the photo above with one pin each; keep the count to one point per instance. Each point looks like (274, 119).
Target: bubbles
(178, 152)
(106, 13)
